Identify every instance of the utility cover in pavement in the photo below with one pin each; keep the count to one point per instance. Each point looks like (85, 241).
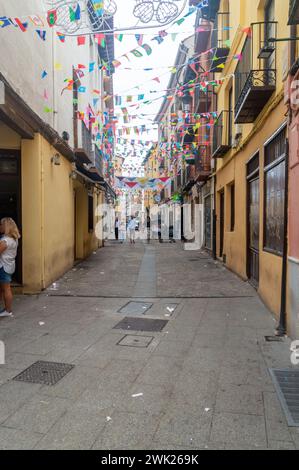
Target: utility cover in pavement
(286, 382)
(135, 341)
(46, 373)
(141, 324)
(135, 308)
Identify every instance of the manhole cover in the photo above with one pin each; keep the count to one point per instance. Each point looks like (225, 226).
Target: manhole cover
(141, 324)
(286, 382)
(46, 373)
(135, 341)
(135, 308)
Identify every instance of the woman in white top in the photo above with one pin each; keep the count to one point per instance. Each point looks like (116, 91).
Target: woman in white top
(8, 253)
(132, 228)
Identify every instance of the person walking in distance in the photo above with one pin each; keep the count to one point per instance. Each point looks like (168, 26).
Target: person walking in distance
(116, 228)
(132, 228)
(8, 253)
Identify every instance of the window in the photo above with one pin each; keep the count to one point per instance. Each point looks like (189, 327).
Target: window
(90, 213)
(232, 207)
(275, 194)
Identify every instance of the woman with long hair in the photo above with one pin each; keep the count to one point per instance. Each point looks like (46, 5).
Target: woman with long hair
(8, 252)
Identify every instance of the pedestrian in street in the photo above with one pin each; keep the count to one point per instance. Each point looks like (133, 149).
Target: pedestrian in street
(116, 228)
(8, 253)
(148, 226)
(132, 229)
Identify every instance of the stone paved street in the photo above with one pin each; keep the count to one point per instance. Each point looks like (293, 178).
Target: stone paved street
(204, 378)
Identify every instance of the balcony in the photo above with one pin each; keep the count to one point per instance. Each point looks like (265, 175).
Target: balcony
(220, 42)
(85, 149)
(222, 134)
(209, 12)
(203, 163)
(255, 76)
(293, 12)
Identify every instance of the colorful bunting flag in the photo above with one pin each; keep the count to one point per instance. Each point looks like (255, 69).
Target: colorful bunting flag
(147, 49)
(136, 53)
(75, 15)
(119, 37)
(23, 26)
(37, 20)
(42, 34)
(44, 74)
(61, 36)
(139, 39)
(100, 39)
(4, 21)
(51, 17)
(81, 40)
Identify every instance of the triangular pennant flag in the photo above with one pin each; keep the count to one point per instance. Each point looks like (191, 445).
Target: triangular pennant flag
(119, 37)
(61, 36)
(42, 34)
(48, 110)
(75, 15)
(22, 26)
(174, 36)
(91, 66)
(157, 79)
(44, 74)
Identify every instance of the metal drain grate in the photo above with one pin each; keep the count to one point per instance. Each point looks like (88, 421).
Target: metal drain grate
(45, 373)
(286, 382)
(135, 308)
(134, 341)
(141, 324)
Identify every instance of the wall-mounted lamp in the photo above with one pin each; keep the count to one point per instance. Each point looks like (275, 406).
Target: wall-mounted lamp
(56, 160)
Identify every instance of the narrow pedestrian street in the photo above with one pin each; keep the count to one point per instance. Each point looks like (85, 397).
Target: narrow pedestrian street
(200, 382)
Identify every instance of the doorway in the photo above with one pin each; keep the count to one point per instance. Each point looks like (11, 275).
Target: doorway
(10, 197)
(253, 220)
(221, 223)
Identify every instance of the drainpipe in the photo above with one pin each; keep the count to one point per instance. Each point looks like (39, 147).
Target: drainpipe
(281, 329)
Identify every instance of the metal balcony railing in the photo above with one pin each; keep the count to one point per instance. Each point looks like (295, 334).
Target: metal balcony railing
(87, 142)
(221, 134)
(255, 75)
(293, 12)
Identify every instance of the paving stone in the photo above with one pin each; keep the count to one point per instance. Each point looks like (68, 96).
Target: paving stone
(242, 429)
(182, 426)
(13, 395)
(126, 431)
(15, 439)
(160, 370)
(38, 414)
(239, 399)
(76, 430)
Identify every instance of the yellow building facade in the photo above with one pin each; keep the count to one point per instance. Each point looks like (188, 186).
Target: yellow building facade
(249, 143)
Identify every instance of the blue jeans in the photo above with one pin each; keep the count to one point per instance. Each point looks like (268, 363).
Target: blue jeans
(5, 278)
